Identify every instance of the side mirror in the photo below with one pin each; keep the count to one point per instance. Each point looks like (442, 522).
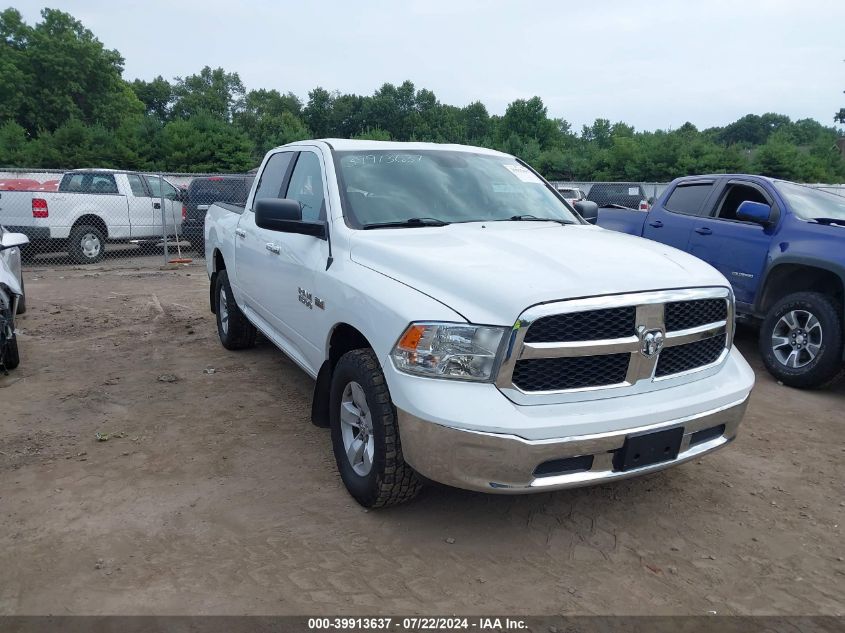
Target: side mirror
(755, 212)
(588, 210)
(10, 240)
(285, 215)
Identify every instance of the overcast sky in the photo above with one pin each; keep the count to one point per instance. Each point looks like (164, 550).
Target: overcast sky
(652, 64)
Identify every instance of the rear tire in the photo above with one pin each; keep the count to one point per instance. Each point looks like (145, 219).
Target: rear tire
(365, 434)
(86, 244)
(801, 340)
(233, 328)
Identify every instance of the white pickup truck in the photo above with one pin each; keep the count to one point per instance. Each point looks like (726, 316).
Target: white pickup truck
(465, 325)
(91, 208)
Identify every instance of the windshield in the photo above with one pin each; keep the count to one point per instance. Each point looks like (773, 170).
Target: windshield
(808, 203)
(446, 186)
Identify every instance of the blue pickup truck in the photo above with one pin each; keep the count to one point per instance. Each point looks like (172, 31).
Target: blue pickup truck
(781, 245)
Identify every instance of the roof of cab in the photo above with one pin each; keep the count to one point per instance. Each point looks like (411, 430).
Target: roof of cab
(350, 145)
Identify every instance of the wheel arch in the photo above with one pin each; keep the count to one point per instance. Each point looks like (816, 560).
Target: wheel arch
(92, 219)
(342, 338)
(786, 277)
(218, 264)
(796, 275)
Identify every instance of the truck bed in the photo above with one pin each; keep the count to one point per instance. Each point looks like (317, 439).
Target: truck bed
(629, 221)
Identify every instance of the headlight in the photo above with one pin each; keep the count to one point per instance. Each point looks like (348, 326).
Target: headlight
(448, 350)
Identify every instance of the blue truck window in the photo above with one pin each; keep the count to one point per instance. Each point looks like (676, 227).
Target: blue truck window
(689, 199)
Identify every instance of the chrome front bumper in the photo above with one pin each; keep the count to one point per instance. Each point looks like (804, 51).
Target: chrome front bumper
(506, 464)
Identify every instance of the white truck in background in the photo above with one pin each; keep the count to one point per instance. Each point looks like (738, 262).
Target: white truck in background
(90, 208)
(464, 324)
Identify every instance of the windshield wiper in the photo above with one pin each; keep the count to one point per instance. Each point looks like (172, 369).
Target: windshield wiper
(526, 217)
(409, 223)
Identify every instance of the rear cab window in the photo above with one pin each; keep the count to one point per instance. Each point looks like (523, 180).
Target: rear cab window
(218, 189)
(88, 183)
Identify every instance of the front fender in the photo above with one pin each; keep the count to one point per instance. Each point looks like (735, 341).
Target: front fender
(8, 276)
(378, 306)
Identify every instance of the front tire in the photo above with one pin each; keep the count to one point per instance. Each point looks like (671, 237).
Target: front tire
(801, 340)
(9, 356)
(233, 328)
(12, 358)
(86, 244)
(22, 300)
(365, 434)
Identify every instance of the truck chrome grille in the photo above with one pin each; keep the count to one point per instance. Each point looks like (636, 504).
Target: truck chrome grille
(676, 360)
(616, 341)
(553, 374)
(682, 315)
(584, 326)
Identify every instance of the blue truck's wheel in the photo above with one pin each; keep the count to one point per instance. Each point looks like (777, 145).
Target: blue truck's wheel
(801, 340)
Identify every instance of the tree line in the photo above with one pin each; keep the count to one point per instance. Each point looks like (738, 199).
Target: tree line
(66, 104)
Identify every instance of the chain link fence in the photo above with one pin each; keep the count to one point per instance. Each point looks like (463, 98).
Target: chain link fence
(88, 216)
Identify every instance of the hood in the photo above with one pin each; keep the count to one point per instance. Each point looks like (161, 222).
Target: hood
(491, 272)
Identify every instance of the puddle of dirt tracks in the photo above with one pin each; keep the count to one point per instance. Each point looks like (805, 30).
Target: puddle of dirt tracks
(214, 494)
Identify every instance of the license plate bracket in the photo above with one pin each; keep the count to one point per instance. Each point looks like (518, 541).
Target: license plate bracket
(646, 449)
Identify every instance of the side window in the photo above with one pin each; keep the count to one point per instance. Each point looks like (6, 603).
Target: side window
(734, 196)
(137, 185)
(170, 191)
(273, 176)
(155, 186)
(306, 186)
(689, 199)
(103, 183)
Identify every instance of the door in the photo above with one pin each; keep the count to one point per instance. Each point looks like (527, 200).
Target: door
(672, 222)
(252, 259)
(172, 205)
(738, 249)
(292, 294)
(142, 216)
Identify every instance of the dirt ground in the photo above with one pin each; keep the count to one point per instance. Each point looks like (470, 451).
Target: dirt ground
(215, 495)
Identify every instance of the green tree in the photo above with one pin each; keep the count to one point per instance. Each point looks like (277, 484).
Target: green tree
(269, 119)
(156, 95)
(528, 119)
(14, 145)
(204, 143)
(318, 112)
(374, 134)
(59, 71)
(212, 92)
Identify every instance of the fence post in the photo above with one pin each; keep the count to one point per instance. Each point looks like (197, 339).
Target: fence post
(163, 217)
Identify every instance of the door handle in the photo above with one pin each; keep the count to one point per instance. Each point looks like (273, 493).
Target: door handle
(240, 232)
(703, 230)
(273, 248)
(156, 205)
(656, 224)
